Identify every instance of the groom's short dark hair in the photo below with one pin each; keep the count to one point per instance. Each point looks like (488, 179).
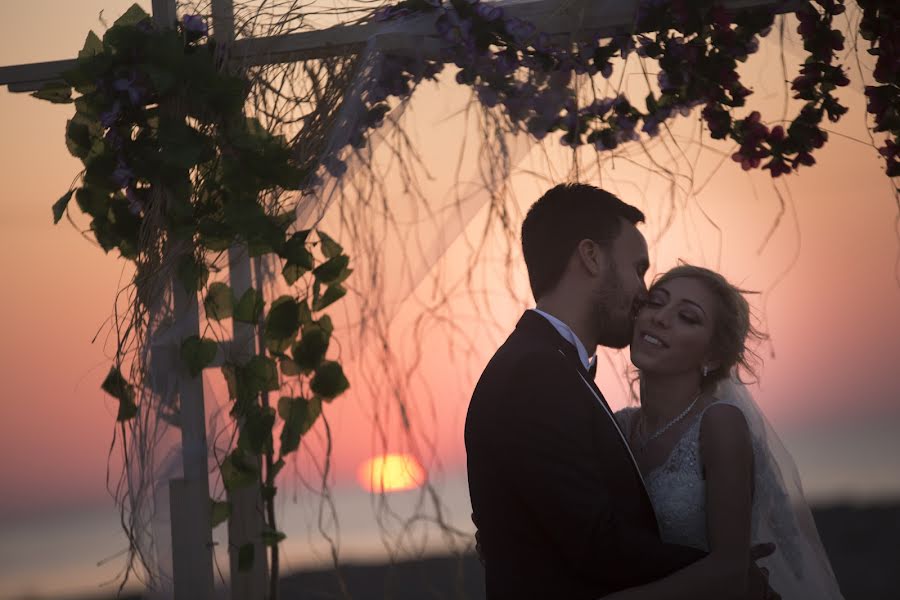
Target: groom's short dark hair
(560, 219)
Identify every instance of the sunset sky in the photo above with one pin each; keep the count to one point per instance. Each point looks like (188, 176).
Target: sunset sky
(834, 317)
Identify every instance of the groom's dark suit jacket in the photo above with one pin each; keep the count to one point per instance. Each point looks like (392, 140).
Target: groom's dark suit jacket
(558, 502)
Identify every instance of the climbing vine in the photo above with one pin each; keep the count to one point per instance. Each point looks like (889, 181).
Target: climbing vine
(171, 159)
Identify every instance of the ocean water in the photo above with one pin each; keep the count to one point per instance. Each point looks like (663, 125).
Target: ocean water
(69, 553)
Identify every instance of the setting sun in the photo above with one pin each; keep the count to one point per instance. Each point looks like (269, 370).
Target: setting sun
(391, 473)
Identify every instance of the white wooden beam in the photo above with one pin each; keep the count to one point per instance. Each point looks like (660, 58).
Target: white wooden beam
(608, 17)
(165, 12)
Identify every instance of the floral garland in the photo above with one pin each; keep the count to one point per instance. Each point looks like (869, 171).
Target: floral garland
(880, 25)
(698, 46)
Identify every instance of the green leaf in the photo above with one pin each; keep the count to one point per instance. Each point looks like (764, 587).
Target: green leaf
(313, 410)
(289, 368)
(238, 471)
(78, 140)
(334, 293)
(293, 413)
(295, 251)
(59, 207)
(134, 15)
(329, 380)
(116, 386)
(331, 269)
(219, 302)
(282, 324)
(181, 146)
(271, 537)
(219, 512)
(198, 353)
(305, 314)
(191, 274)
(162, 79)
(92, 46)
(292, 273)
(311, 349)
(245, 557)
(298, 259)
(93, 200)
(325, 323)
(256, 430)
(262, 373)
(249, 307)
(229, 372)
(299, 415)
(330, 248)
(57, 92)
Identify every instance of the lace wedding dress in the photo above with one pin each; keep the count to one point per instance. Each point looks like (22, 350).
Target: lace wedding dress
(799, 568)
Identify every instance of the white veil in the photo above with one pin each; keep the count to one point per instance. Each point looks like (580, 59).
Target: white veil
(799, 567)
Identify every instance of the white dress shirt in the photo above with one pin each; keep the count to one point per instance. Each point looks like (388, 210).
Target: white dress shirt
(566, 332)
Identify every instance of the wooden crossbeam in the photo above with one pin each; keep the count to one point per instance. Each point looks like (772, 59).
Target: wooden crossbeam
(607, 17)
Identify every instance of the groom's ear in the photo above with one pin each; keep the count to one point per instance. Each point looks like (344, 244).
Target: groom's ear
(593, 257)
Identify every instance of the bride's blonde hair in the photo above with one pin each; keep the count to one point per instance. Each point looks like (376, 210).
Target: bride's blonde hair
(733, 331)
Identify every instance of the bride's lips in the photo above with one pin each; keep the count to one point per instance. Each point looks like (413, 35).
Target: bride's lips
(653, 340)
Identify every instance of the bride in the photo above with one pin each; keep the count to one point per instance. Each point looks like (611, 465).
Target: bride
(718, 477)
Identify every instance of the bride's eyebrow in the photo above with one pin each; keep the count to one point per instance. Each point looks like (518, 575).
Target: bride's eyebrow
(700, 308)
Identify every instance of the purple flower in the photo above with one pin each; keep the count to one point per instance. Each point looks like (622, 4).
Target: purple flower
(519, 29)
(109, 118)
(194, 24)
(488, 96)
(122, 175)
(335, 166)
(113, 138)
(135, 206)
(651, 126)
(129, 85)
(559, 79)
(145, 25)
(663, 80)
(488, 12)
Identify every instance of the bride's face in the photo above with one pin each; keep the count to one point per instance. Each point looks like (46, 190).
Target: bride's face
(673, 331)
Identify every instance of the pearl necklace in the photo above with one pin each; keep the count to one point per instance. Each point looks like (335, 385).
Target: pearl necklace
(642, 445)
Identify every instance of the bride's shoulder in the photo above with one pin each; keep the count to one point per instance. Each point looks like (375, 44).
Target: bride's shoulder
(724, 430)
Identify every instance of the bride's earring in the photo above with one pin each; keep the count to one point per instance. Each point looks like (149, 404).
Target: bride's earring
(705, 370)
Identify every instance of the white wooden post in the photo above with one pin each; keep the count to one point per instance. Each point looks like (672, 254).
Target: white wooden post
(245, 523)
(189, 497)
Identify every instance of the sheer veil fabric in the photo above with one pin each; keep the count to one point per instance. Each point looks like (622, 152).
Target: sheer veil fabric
(799, 568)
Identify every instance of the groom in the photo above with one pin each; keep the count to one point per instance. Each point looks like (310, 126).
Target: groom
(557, 498)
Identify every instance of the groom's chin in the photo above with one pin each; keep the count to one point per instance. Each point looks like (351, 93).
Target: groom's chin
(616, 340)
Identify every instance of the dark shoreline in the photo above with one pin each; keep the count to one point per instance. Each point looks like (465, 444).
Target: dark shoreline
(863, 543)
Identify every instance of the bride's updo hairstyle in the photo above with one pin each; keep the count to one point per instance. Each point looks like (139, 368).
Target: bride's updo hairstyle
(733, 328)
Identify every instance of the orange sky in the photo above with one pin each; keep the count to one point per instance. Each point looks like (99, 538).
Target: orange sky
(835, 319)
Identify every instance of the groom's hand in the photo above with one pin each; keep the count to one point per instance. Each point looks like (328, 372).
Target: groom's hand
(758, 580)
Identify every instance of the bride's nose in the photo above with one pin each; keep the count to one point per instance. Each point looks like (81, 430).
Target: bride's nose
(660, 317)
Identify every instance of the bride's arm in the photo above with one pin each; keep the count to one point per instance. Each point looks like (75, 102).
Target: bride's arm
(726, 453)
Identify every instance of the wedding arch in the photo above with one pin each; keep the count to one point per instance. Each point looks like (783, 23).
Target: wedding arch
(215, 160)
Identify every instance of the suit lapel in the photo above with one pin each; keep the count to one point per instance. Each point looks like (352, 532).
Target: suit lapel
(537, 324)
